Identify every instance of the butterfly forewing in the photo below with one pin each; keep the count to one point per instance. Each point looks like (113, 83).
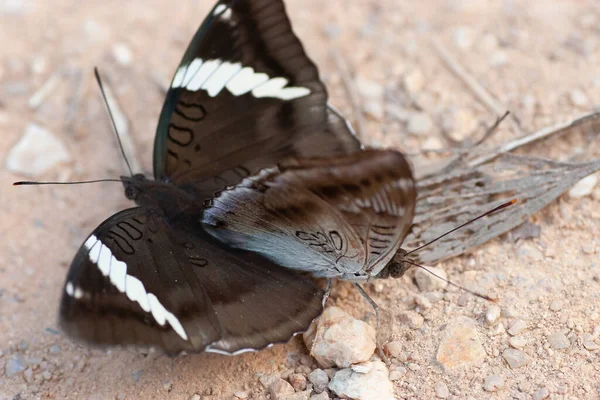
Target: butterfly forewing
(244, 96)
(139, 280)
(343, 216)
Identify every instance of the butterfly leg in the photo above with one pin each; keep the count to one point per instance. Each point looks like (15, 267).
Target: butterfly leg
(327, 292)
(376, 309)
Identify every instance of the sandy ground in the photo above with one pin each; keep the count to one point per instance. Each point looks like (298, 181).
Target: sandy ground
(538, 59)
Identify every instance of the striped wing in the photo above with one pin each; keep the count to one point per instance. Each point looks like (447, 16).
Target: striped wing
(344, 217)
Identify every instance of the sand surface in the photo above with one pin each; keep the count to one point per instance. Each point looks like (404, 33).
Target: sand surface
(538, 58)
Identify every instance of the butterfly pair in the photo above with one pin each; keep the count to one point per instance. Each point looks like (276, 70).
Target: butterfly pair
(257, 181)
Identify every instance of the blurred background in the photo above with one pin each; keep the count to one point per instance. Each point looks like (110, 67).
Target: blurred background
(402, 71)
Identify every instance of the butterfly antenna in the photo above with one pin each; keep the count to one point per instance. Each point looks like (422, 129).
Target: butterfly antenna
(500, 207)
(27, 183)
(112, 119)
(482, 296)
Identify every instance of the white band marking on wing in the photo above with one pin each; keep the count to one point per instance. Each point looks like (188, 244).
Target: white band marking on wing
(214, 75)
(116, 271)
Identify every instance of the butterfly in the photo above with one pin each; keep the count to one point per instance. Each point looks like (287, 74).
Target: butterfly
(257, 180)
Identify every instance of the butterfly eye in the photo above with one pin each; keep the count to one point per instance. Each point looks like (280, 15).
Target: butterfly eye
(130, 192)
(397, 270)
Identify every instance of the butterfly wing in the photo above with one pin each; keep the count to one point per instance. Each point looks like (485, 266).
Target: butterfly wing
(244, 96)
(137, 280)
(343, 216)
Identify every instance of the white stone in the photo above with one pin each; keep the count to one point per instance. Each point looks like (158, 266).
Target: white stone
(464, 37)
(373, 385)
(517, 327)
(122, 54)
(515, 358)
(558, 341)
(441, 390)
(419, 124)
(369, 89)
(340, 339)
(584, 187)
(37, 152)
(428, 282)
(493, 383)
(517, 342)
(492, 314)
(578, 98)
(414, 81)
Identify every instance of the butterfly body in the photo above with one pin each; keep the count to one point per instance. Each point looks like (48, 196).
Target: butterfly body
(163, 198)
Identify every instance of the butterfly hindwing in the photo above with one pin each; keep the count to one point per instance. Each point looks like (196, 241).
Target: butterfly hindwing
(343, 217)
(244, 96)
(139, 280)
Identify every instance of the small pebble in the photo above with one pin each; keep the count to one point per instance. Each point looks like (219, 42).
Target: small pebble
(15, 365)
(464, 37)
(584, 187)
(37, 152)
(28, 375)
(517, 342)
(541, 394)
(515, 358)
(298, 382)
(589, 343)
(578, 98)
(374, 385)
(414, 81)
(441, 390)
(47, 375)
(492, 315)
(54, 349)
(122, 54)
(488, 43)
(374, 110)
(320, 396)
(498, 58)
(429, 283)
(267, 380)
(419, 124)
(422, 302)
(463, 299)
(167, 385)
(493, 383)
(195, 396)
(369, 89)
(23, 345)
(558, 341)
(412, 319)
(517, 327)
(394, 348)
(460, 345)
(396, 375)
(136, 375)
(319, 379)
(556, 305)
(280, 389)
(242, 394)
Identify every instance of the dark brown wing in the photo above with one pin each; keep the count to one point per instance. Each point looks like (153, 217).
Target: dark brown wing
(138, 280)
(244, 97)
(343, 216)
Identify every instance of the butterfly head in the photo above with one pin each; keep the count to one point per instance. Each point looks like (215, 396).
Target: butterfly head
(395, 268)
(134, 185)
